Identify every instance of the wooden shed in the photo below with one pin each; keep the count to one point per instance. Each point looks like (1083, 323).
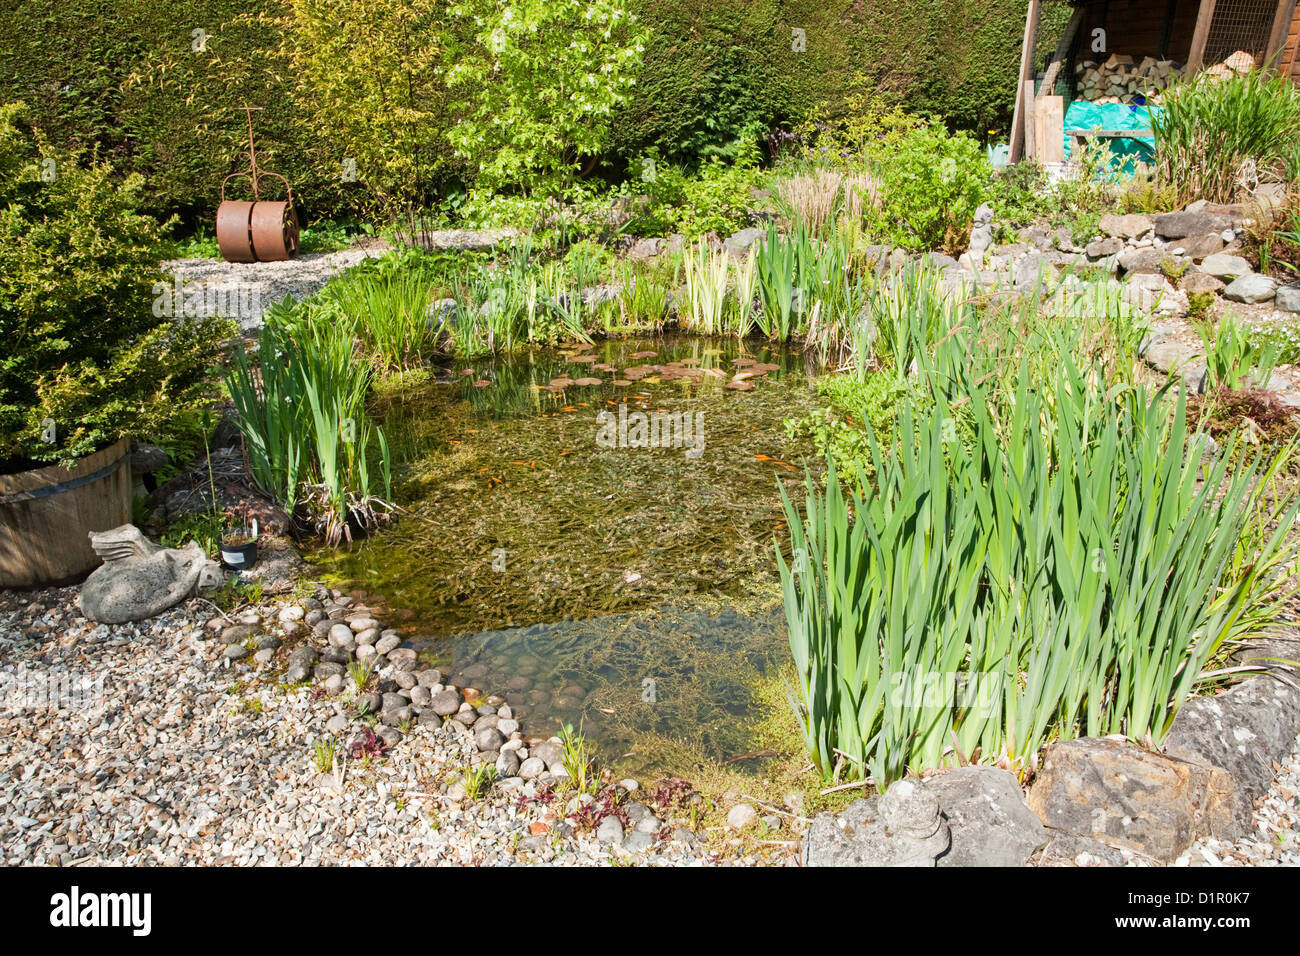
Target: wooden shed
(1179, 36)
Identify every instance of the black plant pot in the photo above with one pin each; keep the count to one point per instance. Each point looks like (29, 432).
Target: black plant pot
(240, 557)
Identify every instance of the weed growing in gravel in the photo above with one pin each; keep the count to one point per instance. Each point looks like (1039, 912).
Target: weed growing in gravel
(577, 760)
(323, 751)
(478, 780)
(362, 673)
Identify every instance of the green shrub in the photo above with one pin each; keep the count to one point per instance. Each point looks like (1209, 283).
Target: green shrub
(670, 199)
(78, 267)
(858, 409)
(535, 83)
(931, 182)
(714, 72)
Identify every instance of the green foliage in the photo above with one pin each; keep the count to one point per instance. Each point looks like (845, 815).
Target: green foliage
(1050, 569)
(78, 267)
(931, 183)
(371, 84)
(477, 780)
(718, 72)
(301, 406)
(1212, 132)
(535, 86)
(323, 752)
(1233, 354)
(1199, 305)
(575, 755)
(125, 77)
(717, 199)
(384, 302)
(857, 408)
(642, 297)
(204, 527)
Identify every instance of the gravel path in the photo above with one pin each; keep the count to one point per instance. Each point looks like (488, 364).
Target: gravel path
(259, 284)
(164, 752)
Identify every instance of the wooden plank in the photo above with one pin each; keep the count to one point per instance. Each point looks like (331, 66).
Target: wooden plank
(1051, 128)
(1281, 31)
(1113, 133)
(1030, 137)
(1196, 58)
(1019, 128)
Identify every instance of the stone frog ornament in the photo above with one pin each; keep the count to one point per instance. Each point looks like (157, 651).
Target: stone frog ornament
(139, 579)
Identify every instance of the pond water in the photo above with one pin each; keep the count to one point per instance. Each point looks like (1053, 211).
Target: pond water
(549, 556)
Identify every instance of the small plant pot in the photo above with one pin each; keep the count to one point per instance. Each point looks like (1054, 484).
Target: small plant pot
(239, 548)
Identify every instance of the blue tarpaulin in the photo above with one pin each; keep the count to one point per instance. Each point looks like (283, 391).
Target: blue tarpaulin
(1114, 116)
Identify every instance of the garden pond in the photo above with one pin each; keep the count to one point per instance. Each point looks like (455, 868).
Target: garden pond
(544, 555)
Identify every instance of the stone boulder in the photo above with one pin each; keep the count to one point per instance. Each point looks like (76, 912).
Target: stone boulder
(1156, 805)
(1245, 729)
(1142, 261)
(1288, 298)
(1200, 282)
(1225, 266)
(987, 817)
(1180, 225)
(1197, 248)
(1126, 227)
(740, 242)
(902, 827)
(1102, 248)
(1253, 288)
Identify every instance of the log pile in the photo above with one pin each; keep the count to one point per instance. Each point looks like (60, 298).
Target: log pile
(1120, 79)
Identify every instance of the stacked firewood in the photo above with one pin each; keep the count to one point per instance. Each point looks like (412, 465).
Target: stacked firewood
(1120, 79)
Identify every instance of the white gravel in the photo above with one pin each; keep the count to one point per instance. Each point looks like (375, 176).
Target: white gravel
(177, 757)
(1274, 839)
(257, 285)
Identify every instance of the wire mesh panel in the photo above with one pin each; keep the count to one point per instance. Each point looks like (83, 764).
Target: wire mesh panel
(1240, 25)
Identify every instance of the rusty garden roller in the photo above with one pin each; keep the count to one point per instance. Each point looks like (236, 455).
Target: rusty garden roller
(257, 231)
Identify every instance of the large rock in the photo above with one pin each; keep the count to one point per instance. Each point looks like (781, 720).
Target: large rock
(1143, 261)
(1225, 265)
(1200, 282)
(1032, 268)
(1067, 850)
(1245, 729)
(740, 242)
(1118, 794)
(646, 248)
(1101, 248)
(1126, 227)
(1197, 248)
(139, 579)
(987, 816)
(902, 827)
(1251, 289)
(1180, 225)
(1288, 298)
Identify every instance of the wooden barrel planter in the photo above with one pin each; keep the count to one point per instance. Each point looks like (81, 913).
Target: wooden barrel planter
(47, 514)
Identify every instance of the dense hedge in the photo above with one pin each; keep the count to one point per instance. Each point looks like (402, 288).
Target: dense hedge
(121, 73)
(714, 67)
